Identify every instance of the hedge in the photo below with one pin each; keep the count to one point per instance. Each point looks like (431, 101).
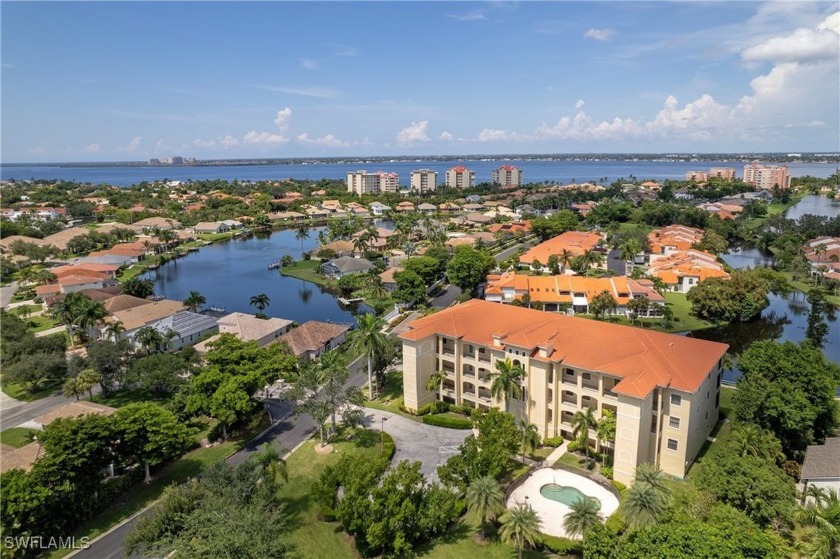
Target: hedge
(562, 546)
(448, 421)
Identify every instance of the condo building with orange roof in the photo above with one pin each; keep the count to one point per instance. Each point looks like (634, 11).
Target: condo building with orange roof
(460, 177)
(507, 176)
(681, 271)
(673, 238)
(576, 242)
(664, 389)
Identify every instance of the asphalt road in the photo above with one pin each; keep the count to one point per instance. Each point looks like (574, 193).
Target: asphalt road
(446, 296)
(286, 433)
(6, 293)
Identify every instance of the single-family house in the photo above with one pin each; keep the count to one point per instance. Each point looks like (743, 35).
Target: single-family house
(575, 242)
(212, 227)
(311, 339)
(379, 208)
(822, 465)
(248, 327)
(426, 208)
(162, 223)
(345, 266)
(389, 282)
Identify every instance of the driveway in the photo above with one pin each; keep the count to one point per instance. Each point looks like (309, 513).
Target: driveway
(6, 293)
(431, 445)
(446, 296)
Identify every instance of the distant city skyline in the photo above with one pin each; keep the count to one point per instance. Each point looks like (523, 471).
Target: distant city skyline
(84, 81)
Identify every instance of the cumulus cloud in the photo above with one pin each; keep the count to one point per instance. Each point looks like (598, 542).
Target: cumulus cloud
(446, 136)
(414, 132)
(803, 45)
(344, 50)
(263, 138)
(492, 135)
(282, 119)
(225, 141)
(91, 148)
(599, 34)
(328, 140)
(132, 145)
(579, 105)
(309, 64)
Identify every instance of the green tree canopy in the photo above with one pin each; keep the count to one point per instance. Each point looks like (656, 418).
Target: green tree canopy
(469, 267)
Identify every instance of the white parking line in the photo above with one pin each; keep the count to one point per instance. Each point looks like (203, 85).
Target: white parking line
(448, 450)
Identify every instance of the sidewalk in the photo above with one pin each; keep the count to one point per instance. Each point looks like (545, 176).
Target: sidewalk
(49, 331)
(556, 454)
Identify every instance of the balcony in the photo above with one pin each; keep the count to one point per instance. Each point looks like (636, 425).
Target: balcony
(570, 380)
(448, 350)
(569, 398)
(468, 371)
(610, 395)
(468, 389)
(484, 356)
(590, 384)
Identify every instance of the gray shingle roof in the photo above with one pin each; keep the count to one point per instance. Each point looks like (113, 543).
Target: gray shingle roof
(822, 461)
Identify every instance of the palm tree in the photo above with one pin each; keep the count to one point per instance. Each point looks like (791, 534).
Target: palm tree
(367, 339)
(271, 463)
(486, 499)
(113, 330)
(505, 381)
(822, 518)
(652, 476)
(91, 314)
(585, 513)
(643, 505)
(71, 388)
(566, 257)
(377, 290)
(260, 301)
(360, 243)
(435, 383)
(605, 432)
(86, 380)
(194, 301)
(629, 249)
(149, 338)
(590, 258)
(530, 436)
(520, 527)
(69, 311)
(583, 421)
(302, 233)
(167, 338)
(752, 440)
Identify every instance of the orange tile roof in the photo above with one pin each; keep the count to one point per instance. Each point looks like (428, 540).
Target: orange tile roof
(641, 358)
(86, 267)
(559, 289)
(694, 263)
(680, 237)
(576, 242)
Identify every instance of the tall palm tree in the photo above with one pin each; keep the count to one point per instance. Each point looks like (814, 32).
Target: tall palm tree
(643, 506)
(590, 258)
(649, 474)
(629, 249)
(583, 421)
(148, 338)
(86, 380)
(368, 340)
(585, 513)
(435, 383)
(69, 310)
(605, 431)
(271, 463)
(333, 372)
(520, 527)
(260, 301)
(566, 257)
(90, 314)
(113, 330)
(530, 436)
(822, 519)
(194, 301)
(505, 381)
(752, 440)
(301, 234)
(360, 243)
(377, 290)
(486, 499)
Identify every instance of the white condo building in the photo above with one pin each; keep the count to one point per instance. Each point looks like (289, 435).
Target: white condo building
(423, 180)
(508, 176)
(362, 182)
(460, 177)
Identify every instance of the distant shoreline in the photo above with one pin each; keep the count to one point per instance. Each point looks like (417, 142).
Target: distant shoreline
(813, 157)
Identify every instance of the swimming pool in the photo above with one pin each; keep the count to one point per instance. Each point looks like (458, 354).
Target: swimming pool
(565, 494)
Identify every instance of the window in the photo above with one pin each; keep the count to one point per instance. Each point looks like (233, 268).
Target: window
(587, 376)
(674, 422)
(676, 400)
(653, 424)
(673, 445)
(717, 400)
(707, 394)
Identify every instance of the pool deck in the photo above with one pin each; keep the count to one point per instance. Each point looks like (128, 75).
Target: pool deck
(552, 513)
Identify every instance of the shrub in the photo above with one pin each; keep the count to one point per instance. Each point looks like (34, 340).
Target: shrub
(448, 421)
(463, 409)
(562, 546)
(793, 469)
(553, 442)
(620, 486)
(574, 446)
(326, 253)
(615, 523)
(404, 409)
(607, 471)
(427, 409)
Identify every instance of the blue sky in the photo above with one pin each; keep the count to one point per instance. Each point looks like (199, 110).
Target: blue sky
(88, 81)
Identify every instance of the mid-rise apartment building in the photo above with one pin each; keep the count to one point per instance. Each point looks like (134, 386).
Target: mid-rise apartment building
(766, 176)
(362, 182)
(460, 177)
(663, 388)
(423, 180)
(724, 173)
(507, 176)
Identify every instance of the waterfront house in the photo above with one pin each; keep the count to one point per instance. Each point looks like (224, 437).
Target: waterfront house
(680, 271)
(345, 266)
(233, 223)
(379, 208)
(210, 227)
(340, 247)
(286, 216)
(664, 389)
(162, 223)
(311, 339)
(405, 207)
(183, 329)
(673, 238)
(389, 282)
(248, 328)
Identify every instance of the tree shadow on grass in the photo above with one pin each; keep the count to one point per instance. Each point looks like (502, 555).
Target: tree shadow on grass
(365, 438)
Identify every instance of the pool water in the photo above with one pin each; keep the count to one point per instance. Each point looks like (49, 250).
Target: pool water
(564, 494)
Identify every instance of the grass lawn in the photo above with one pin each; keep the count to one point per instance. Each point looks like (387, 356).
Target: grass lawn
(41, 323)
(142, 495)
(391, 396)
(307, 270)
(682, 311)
(124, 397)
(19, 391)
(216, 236)
(805, 286)
(16, 436)
(573, 460)
(540, 454)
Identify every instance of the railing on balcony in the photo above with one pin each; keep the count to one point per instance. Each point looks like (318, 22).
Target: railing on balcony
(569, 399)
(448, 350)
(572, 380)
(484, 356)
(469, 372)
(590, 384)
(469, 389)
(610, 394)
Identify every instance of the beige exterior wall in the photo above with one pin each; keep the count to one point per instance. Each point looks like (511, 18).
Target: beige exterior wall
(361, 182)
(507, 177)
(454, 179)
(767, 176)
(389, 182)
(423, 180)
(553, 392)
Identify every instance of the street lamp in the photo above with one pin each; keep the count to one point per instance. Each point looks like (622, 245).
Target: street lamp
(382, 435)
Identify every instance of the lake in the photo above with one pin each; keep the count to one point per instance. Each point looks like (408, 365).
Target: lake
(533, 171)
(229, 273)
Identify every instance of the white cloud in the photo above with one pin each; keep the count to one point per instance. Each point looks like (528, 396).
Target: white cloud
(579, 105)
(223, 141)
(309, 64)
(306, 91)
(414, 132)
(263, 138)
(132, 145)
(328, 140)
(282, 119)
(599, 34)
(469, 16)
(446, 136)
(492, 135)
(803, 45)
(7, 65)
(228, 141)
(344, 50)
(91, 148)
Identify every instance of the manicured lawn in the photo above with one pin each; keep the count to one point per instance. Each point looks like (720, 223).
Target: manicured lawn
(142, 495)
(391, 396)
(573, 460)
(806, 285)
(41, 323)
(124, 397)
(18, 391)
(16, 436)
(540, 454)
(682, 311)
(311, 537)
(307, 270)
(216, 236)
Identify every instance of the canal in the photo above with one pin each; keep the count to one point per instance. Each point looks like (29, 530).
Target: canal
(229, 273)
